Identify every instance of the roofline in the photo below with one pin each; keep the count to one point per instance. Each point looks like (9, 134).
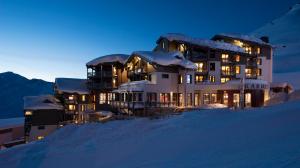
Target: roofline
(264, 43)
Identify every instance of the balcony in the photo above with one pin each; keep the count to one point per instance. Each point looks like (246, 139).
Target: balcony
(99, 86)
(99, 75)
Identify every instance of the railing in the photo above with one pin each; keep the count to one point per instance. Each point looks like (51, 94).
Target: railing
(104, 74)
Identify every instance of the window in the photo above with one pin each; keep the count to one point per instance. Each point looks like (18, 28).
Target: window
(71, 107)
(102, 98)
(164, 97)
(248, 72)
(248, 99)
(189, 99)
(165, 76)
(206, 98)
(236, 99)
(237, 69)
(82, 107)
(258, 50)
(248, 50)
(181, 47)
(259, 61)
(71, 97)
(180, 79)
(163, 45)
(212, 66)
(197, 99)
(224, 80)
(140, 97)
(189, 79)
(212, 79)
(225, 98)
(237, 58)
(40, 137)
(213, 98)
(83, 97)
(28, 113)
(109, 97)
(200, 66)
(199, 78)
(259, 72)
(225, 57)
(225, 70)
(151, 97)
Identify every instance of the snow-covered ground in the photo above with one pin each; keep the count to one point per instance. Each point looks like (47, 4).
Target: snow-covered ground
(262, 137)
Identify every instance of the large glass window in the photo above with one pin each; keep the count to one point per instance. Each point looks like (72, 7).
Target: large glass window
(248, 99)
(213, 98)
(225, 98)
(189, 99)
(164, 97)
(102, 98)
(237, 69)
(224, 80)
(248, 72)
(236, 99)
(199, 78)
(197, 99)
(212, 79)
(71, 107)
(206, 98)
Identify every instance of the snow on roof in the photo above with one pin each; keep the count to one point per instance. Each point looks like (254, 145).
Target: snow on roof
(44, 102)
(121, 58)
(244, 37)
(165, 58)
(11, 122)
(70, 85)
(281, 85)
(202, 42)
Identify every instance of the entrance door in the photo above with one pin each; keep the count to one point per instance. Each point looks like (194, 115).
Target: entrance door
(236, 100)
(248, 99)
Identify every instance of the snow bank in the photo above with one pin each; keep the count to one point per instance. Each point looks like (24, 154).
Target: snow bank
(42, 102)
(202, 42)
(262, 137)
(121, 58)
(71, 85)
(165, 58)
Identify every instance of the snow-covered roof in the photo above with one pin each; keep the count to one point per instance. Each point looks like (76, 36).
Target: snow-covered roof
(281, 85)
(249, 38)
(44, 102)
(202, 42)
(71, 85)
(121, 58)
(165, 58)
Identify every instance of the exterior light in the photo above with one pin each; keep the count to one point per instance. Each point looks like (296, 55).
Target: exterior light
(28, 113)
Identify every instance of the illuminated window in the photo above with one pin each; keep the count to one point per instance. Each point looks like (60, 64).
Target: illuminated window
(164, 97)
(258, 50)
(237, 69)
(212, 79)
(181, 47)
(180, 79)
(200, 66)
(71, 97)
(28, 113)
(259, 72)
(238, 43)
(206, 98)
(248, 72)
(114, 71)
(248, 99)
(213, 98)
(225, 98)
(259, 61)
(248, 50)
(237, 58)
(40, 137)
(224, 80)
(109, 97)
(83, 97)
(102, 98)
(163, 45)
(188, 79)
(236, 99)
(225, 70)
(225, 57)
(71, 107)
(199, 78)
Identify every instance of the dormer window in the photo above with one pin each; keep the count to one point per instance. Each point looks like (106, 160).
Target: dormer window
(181, 47)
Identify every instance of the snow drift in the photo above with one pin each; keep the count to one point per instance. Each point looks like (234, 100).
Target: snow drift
(263, 137)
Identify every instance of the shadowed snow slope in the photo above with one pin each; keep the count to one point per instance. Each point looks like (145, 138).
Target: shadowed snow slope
(265, 137)
(284, 33)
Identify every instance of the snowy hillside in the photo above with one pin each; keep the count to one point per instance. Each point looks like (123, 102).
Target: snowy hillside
(13, 88)
(284, 33)
(266, 137)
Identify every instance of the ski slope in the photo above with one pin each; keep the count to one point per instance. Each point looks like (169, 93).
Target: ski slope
(262, 137)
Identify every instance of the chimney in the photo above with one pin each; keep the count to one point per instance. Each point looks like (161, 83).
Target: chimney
(265, 39)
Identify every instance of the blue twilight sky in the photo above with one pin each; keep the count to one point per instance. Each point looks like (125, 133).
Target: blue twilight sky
(47, 39)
